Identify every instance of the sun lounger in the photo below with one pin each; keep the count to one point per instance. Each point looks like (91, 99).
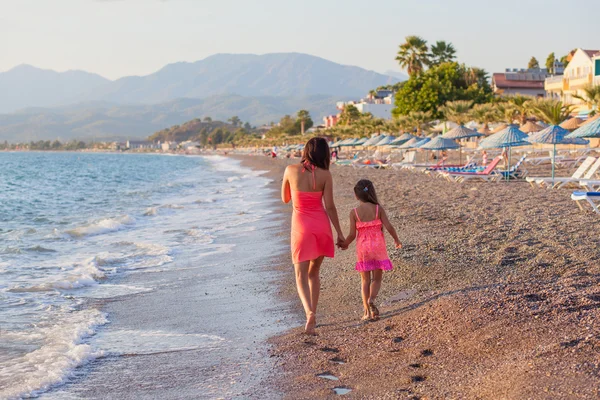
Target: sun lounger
(559, 182)
(515, 171)
(590, 197)
(409, 159)
(486, 175)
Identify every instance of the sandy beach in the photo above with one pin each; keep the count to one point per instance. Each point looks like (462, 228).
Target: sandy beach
(495, 295)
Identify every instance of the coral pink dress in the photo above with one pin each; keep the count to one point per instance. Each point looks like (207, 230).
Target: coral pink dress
(311, 230)
(371, 253)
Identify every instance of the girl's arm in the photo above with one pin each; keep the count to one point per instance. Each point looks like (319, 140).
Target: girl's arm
(386, 222)
(352, 235)
(330, 208)
(286, 193)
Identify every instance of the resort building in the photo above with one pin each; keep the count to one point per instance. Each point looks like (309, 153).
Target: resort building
(330, 121)
(528, 82)
(141, 145)
(579, 73)
(167, 146)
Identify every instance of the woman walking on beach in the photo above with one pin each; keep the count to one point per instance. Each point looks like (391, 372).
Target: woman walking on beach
(308, 185)
(369, 219)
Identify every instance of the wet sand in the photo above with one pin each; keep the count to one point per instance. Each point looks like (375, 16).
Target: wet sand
(495, 295)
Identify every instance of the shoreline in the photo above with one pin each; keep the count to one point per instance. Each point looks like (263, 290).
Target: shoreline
(494, 295)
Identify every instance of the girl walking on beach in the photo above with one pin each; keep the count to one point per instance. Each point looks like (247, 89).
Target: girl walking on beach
(309, 185)
(368, 220)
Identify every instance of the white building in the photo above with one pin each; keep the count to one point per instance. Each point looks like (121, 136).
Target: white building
(167, 146)
(378, 110)
(141, 145)
(579, 73)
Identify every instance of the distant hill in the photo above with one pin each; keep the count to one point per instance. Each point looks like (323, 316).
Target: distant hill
(105, 121)
(283, 74)
(27, 86)
(190, 130)
(395, 74)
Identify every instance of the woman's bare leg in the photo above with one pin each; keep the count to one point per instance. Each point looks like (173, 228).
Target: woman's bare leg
(314, 282)
(303, 286)
(366, 292)
(375, 284)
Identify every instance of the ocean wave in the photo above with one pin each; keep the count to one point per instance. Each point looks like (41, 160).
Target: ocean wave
(204, 201)
(40, 249)
(82, 275)
(54, 362)
(233, 179)
(103, 226)
(150, 211)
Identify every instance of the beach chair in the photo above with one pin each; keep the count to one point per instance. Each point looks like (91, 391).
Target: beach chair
(590, 197)
(409, 159)
(515, 171)
(487, 174)
(559, 182)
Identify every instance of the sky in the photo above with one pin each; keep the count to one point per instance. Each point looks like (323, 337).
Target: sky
(116, 38)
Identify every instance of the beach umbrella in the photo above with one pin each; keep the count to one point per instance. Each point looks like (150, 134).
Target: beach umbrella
(553, 135)
(530, 127)
(575, 141)
(386, 141)
(402, 139)
(440, 143)
(420, 142)
(571, 124)
(361, 141)
(374, 140)
(587, 130)
(542, 124)
(460, 132)
(509, 137)
(409, 143)
(499, 128)
(484, 130)
(348, 142)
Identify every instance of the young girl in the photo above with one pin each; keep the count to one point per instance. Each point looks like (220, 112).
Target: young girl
(372, 258)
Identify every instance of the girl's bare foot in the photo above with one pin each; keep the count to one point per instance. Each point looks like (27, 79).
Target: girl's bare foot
(366, 316)
(311, 323)
(374, 311)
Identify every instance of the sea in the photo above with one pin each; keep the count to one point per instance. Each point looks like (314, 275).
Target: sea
(111, 263)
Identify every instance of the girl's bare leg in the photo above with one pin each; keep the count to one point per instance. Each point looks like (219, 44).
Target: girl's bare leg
(366, 292)
(302, 284)
(375, 284)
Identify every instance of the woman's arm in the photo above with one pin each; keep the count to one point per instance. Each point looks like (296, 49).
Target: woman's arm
(330, 208)
(386, 222)
(352, 235)
(286, 194)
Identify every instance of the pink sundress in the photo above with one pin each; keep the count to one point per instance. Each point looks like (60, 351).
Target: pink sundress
(371, 253)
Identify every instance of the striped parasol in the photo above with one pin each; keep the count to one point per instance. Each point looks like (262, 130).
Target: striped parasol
(386, 141)
(374, 140)
(460, 132)
(571, 124)
(402, 139)
(440, 143)
(509, 137)
(554, 134)
(409, 143)
(587, 130)
(420, 143)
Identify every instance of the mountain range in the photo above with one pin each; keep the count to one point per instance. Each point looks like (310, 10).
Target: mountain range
(258, 88)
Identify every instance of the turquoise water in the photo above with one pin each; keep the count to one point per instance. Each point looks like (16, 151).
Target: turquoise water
(72, 225)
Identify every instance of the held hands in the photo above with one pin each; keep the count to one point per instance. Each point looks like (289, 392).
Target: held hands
(341, 242)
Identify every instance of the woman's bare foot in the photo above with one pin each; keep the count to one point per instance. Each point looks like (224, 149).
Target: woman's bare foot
(311, 323)
(366, 316)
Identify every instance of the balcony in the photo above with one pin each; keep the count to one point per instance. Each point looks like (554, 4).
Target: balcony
(554, 83)
(580, 81)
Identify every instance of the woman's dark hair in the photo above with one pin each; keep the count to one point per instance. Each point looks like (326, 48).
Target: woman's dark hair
(316, 152)
(365, 191)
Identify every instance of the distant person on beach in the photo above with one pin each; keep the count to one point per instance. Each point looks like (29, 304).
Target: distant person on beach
(368, 220)
(308, 184)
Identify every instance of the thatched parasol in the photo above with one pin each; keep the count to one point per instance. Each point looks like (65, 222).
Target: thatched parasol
(530, 127)
(500, 128)
(594, 118)
(571, 124)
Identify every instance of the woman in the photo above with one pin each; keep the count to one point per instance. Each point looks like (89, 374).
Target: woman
(308, 185)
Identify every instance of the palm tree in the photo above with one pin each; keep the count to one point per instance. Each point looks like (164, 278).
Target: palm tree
(303, 116)
(413, 55)
(442, 52)
(590, 95)
(551, 111)
(419, 120)
(485, 114)
(349, 115)
(507, 111)
(457, 111)
(522, 106)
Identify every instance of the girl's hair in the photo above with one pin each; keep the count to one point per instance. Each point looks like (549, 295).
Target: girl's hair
(365, 191)
(316, 152)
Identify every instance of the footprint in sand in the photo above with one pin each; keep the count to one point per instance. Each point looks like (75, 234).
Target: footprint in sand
(337, 360)
(427, 353)
(329, 350)
(341, 390)
(415, 365)
(398, 339)
(328, 375)
(418, 378)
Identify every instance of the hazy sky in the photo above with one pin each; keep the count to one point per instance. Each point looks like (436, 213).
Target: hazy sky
(135, 37)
